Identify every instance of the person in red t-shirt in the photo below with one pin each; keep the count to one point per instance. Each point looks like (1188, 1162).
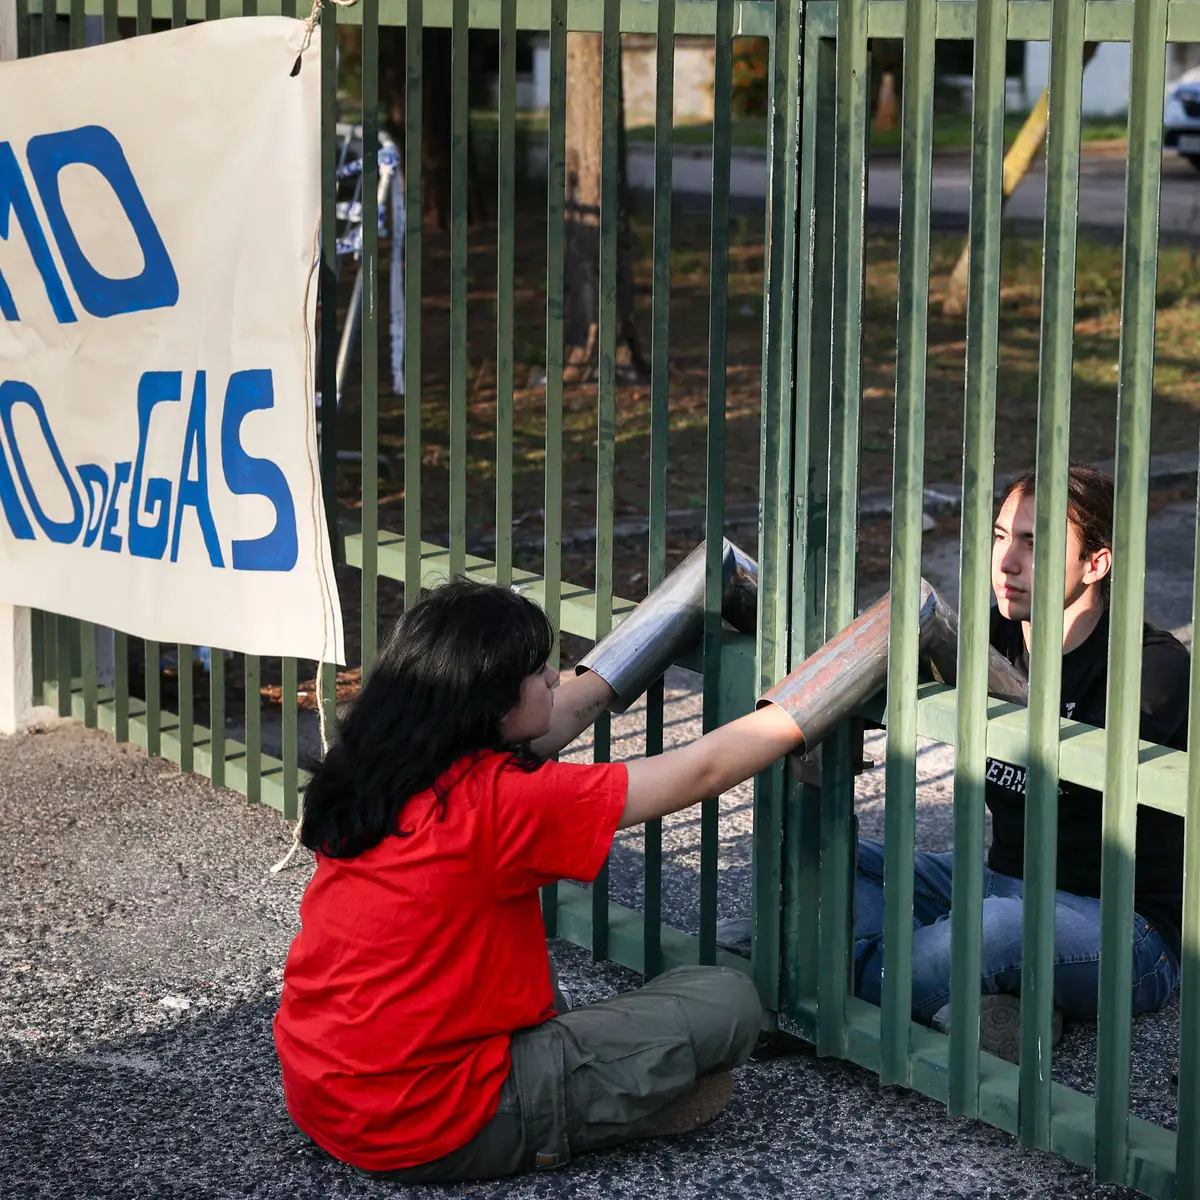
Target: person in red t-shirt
(418, 1031)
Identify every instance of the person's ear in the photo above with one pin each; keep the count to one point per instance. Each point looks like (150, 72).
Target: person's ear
(1099, 565)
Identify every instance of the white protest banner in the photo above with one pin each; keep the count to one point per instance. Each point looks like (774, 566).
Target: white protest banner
(159, 204)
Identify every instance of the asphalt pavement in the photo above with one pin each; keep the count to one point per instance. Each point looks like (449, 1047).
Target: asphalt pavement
(1101, 188)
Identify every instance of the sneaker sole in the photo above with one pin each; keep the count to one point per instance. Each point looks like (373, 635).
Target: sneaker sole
(1000, 1027)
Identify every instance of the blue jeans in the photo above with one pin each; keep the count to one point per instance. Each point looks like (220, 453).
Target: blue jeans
(1076, 941)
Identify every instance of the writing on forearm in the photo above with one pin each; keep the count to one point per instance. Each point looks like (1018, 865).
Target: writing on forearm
(589, 712)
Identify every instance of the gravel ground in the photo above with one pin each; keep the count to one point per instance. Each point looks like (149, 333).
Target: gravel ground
(141, 945)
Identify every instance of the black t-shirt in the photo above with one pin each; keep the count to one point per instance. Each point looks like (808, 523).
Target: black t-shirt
(1158, 887)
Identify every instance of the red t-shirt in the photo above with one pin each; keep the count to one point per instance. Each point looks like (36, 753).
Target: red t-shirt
(418, 960)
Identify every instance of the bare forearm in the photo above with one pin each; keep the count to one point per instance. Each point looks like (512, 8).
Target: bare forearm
(718, 761)
(578, 702)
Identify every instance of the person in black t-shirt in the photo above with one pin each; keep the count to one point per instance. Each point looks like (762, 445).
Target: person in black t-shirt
(1158, 891)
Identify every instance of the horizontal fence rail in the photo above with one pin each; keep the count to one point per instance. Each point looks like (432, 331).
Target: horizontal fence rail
(250, 725)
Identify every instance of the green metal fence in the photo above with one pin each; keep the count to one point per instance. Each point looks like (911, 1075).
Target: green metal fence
(812, 371)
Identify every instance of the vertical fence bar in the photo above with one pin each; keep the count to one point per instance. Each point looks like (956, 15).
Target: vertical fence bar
(1050, 527)
(289, 739)
(778, 433)
(1187, 1137)
(850, 184)
(187, 710)
(50, 646)
(145, 13)
(459, 117)
(660, 404)
(506, 181)
(37, 640)
(606, 393)
(63, 664)
(153, 678)
(186, 676)
(78, 28)
(810, 485)
(414, 35)
(252, 714)
(556, 157)
(369, 623)
(179, 12)
(908, 487)
(87, 669)
(327, 380)
(1127, 604)
(216, 714)
(979, 453)
(22, 18)
(120, 686)
(326, 367)
(327, 698)
(714, 512)
(48, 21)
(110, 31)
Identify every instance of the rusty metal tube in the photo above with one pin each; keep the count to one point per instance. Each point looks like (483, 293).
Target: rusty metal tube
(670, 621)
(939, 653)
(852, 666)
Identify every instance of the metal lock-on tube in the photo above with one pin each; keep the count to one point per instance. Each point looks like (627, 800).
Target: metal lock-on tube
(852, 666)
(670, 621)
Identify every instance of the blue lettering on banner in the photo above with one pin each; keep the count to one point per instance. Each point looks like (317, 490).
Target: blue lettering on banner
(149, 541)
(14, 511)
(155, 505)
(13, 393)
(194, 493)
(247, 392)
(95, 482)
(93, 146)
(14, 197)
(111, 540)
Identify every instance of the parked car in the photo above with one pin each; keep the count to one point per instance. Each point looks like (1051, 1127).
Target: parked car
(1181, 117)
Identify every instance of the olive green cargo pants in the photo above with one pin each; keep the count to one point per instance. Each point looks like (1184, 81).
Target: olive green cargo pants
(603, 1074)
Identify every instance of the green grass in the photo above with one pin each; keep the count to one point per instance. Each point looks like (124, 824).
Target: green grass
(748, 133)
(951, 131)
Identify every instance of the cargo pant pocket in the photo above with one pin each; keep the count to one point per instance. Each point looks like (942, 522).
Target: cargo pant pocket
(539, 1074)
(623, 1068)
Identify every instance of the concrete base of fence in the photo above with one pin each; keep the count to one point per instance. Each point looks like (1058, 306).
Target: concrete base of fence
(16, 668)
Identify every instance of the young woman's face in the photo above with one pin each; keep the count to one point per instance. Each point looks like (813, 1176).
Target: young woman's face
(530, 719)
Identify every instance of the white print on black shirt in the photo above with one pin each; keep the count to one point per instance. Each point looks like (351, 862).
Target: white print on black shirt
(1010, 777)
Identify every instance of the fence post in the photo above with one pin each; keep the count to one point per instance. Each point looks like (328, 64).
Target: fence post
(8, 29)
(16, 647)
(16, 667)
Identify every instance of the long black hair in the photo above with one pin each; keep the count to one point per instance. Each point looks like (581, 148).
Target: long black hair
(450, 671)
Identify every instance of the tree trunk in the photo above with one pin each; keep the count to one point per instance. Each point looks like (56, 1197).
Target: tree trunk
(1017, 162)
(581, 301)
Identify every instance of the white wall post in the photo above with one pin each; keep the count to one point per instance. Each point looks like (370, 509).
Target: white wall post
(16, 668)
(8, 29)
(16, 640)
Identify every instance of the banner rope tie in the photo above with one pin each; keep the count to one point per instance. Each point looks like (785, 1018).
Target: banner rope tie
(310, 24)
(315, 474)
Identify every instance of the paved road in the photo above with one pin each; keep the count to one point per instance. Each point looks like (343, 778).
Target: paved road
(1101, 189)
(141, 951)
